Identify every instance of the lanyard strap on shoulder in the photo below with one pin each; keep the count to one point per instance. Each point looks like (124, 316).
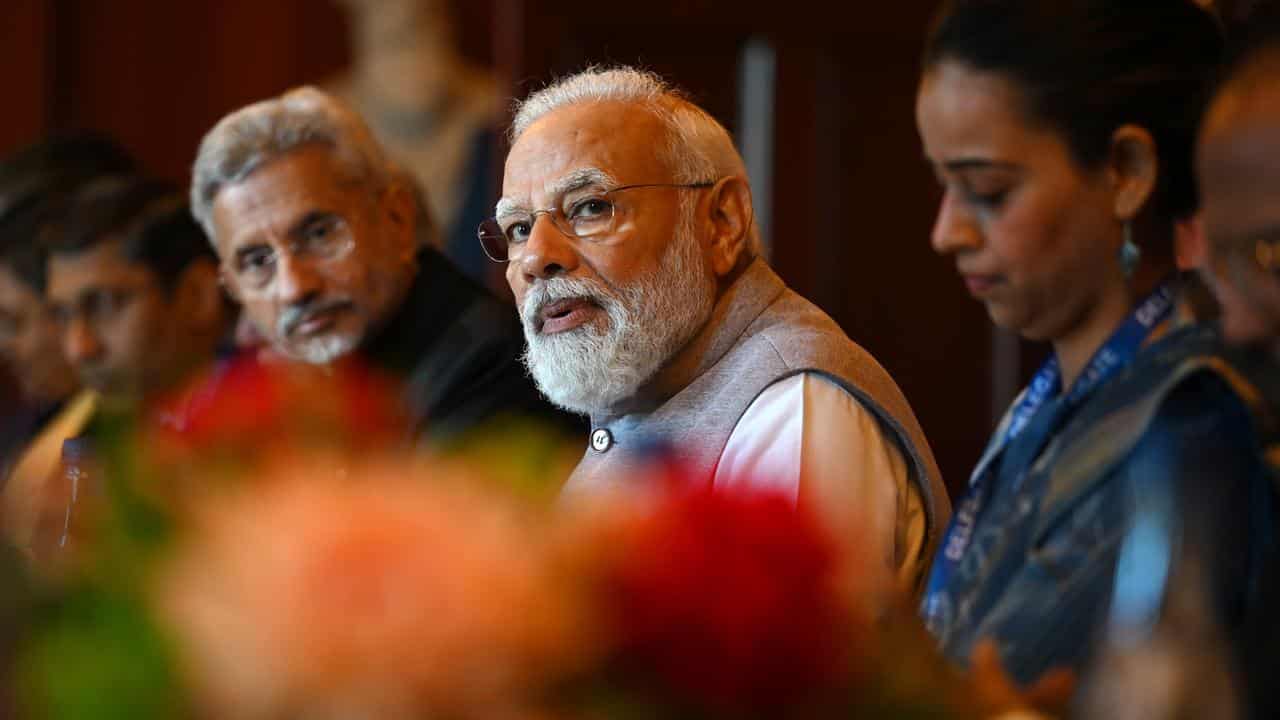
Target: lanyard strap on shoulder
(1117, 352)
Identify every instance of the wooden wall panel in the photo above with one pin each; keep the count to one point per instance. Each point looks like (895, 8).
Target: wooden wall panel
(25, 47)
(25, 44)
(158, 75)
(894, 293)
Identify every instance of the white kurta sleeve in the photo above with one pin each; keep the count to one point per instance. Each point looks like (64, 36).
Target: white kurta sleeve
(807, 436)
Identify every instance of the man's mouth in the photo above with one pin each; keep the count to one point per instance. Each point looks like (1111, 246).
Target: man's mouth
(563, 315)
(980, 286)
(319, 321)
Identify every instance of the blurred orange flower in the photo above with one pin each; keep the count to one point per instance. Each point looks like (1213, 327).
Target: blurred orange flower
(401, 593)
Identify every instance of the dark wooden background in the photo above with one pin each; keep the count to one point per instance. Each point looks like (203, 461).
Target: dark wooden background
(853, 199)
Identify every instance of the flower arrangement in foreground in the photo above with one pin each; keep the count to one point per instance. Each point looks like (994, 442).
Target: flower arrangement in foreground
(387, 594)
(302, 573)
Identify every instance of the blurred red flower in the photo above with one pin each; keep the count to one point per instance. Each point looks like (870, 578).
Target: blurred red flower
(730, 600)
(249, 405)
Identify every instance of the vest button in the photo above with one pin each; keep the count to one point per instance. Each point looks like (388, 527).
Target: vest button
(601, 440)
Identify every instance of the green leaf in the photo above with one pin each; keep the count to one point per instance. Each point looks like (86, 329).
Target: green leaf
(97, 655)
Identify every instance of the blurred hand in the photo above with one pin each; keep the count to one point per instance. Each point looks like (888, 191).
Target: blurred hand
(996, 693)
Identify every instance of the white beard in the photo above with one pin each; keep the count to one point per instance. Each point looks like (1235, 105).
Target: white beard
(323, 350)
(319, 350)
(591, 368)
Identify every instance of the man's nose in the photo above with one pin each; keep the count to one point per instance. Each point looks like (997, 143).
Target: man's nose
(296, 280)
(954, 229)
(80, 343)
(547, 253)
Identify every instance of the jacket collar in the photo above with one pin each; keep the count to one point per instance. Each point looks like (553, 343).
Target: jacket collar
(438, 296)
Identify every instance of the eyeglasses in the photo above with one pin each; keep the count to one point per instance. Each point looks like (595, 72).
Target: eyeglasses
(587, 217)
(326, 237)
(1243, 262)
(97, 306)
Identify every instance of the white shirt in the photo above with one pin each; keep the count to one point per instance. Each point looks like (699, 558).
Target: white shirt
(805, 435)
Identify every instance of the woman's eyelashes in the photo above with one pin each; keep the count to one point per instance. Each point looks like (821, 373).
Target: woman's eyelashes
(984, 191)
(988, 199)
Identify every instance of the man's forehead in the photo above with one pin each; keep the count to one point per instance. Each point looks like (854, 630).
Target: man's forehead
(1244, 147)
(288, 185)
(302, 171)
(104, 262)
(1249, 103)
(615, 138)
(1239, 165)
(245, 209)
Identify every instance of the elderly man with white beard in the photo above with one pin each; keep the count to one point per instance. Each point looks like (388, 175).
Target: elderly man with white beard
(626, 222)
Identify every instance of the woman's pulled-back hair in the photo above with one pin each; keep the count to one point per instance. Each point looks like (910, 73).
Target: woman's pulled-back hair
(1087, 67)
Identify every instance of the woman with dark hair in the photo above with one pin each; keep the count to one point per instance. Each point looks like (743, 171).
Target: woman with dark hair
(1062, 134)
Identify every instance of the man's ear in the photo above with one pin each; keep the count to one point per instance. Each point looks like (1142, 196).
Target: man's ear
(1190, 246)
(400, 211)
(731, 218)
(198, 293)
(1134, 168)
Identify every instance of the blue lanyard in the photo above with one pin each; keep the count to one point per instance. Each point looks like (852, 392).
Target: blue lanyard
(1118, 351)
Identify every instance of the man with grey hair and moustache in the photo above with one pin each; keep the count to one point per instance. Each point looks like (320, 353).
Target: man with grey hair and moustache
(314, 228)
(627, 226)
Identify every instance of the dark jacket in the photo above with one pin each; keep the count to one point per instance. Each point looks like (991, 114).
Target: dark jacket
(1261, 635)
(457, 349)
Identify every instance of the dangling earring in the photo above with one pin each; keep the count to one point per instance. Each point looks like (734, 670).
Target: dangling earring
(1130, 253)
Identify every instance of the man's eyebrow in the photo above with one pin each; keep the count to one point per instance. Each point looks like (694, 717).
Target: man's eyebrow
(576, 180)
(579, 179)
(311, 219)
(507, 206)
(95, 291)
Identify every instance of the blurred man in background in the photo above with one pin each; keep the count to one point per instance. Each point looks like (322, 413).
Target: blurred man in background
(29, 340)
(135, 289)
(35, 185)
(30, 343)
(316, 234)
(1239, 174)
(1239, 164)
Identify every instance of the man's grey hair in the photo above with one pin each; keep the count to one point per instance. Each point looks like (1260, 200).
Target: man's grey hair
(698, 148)
(250, 137)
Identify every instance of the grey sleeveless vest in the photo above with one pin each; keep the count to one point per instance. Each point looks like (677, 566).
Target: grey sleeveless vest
(760, 332)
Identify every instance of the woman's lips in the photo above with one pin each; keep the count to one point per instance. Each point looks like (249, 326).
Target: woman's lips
(564, 315)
